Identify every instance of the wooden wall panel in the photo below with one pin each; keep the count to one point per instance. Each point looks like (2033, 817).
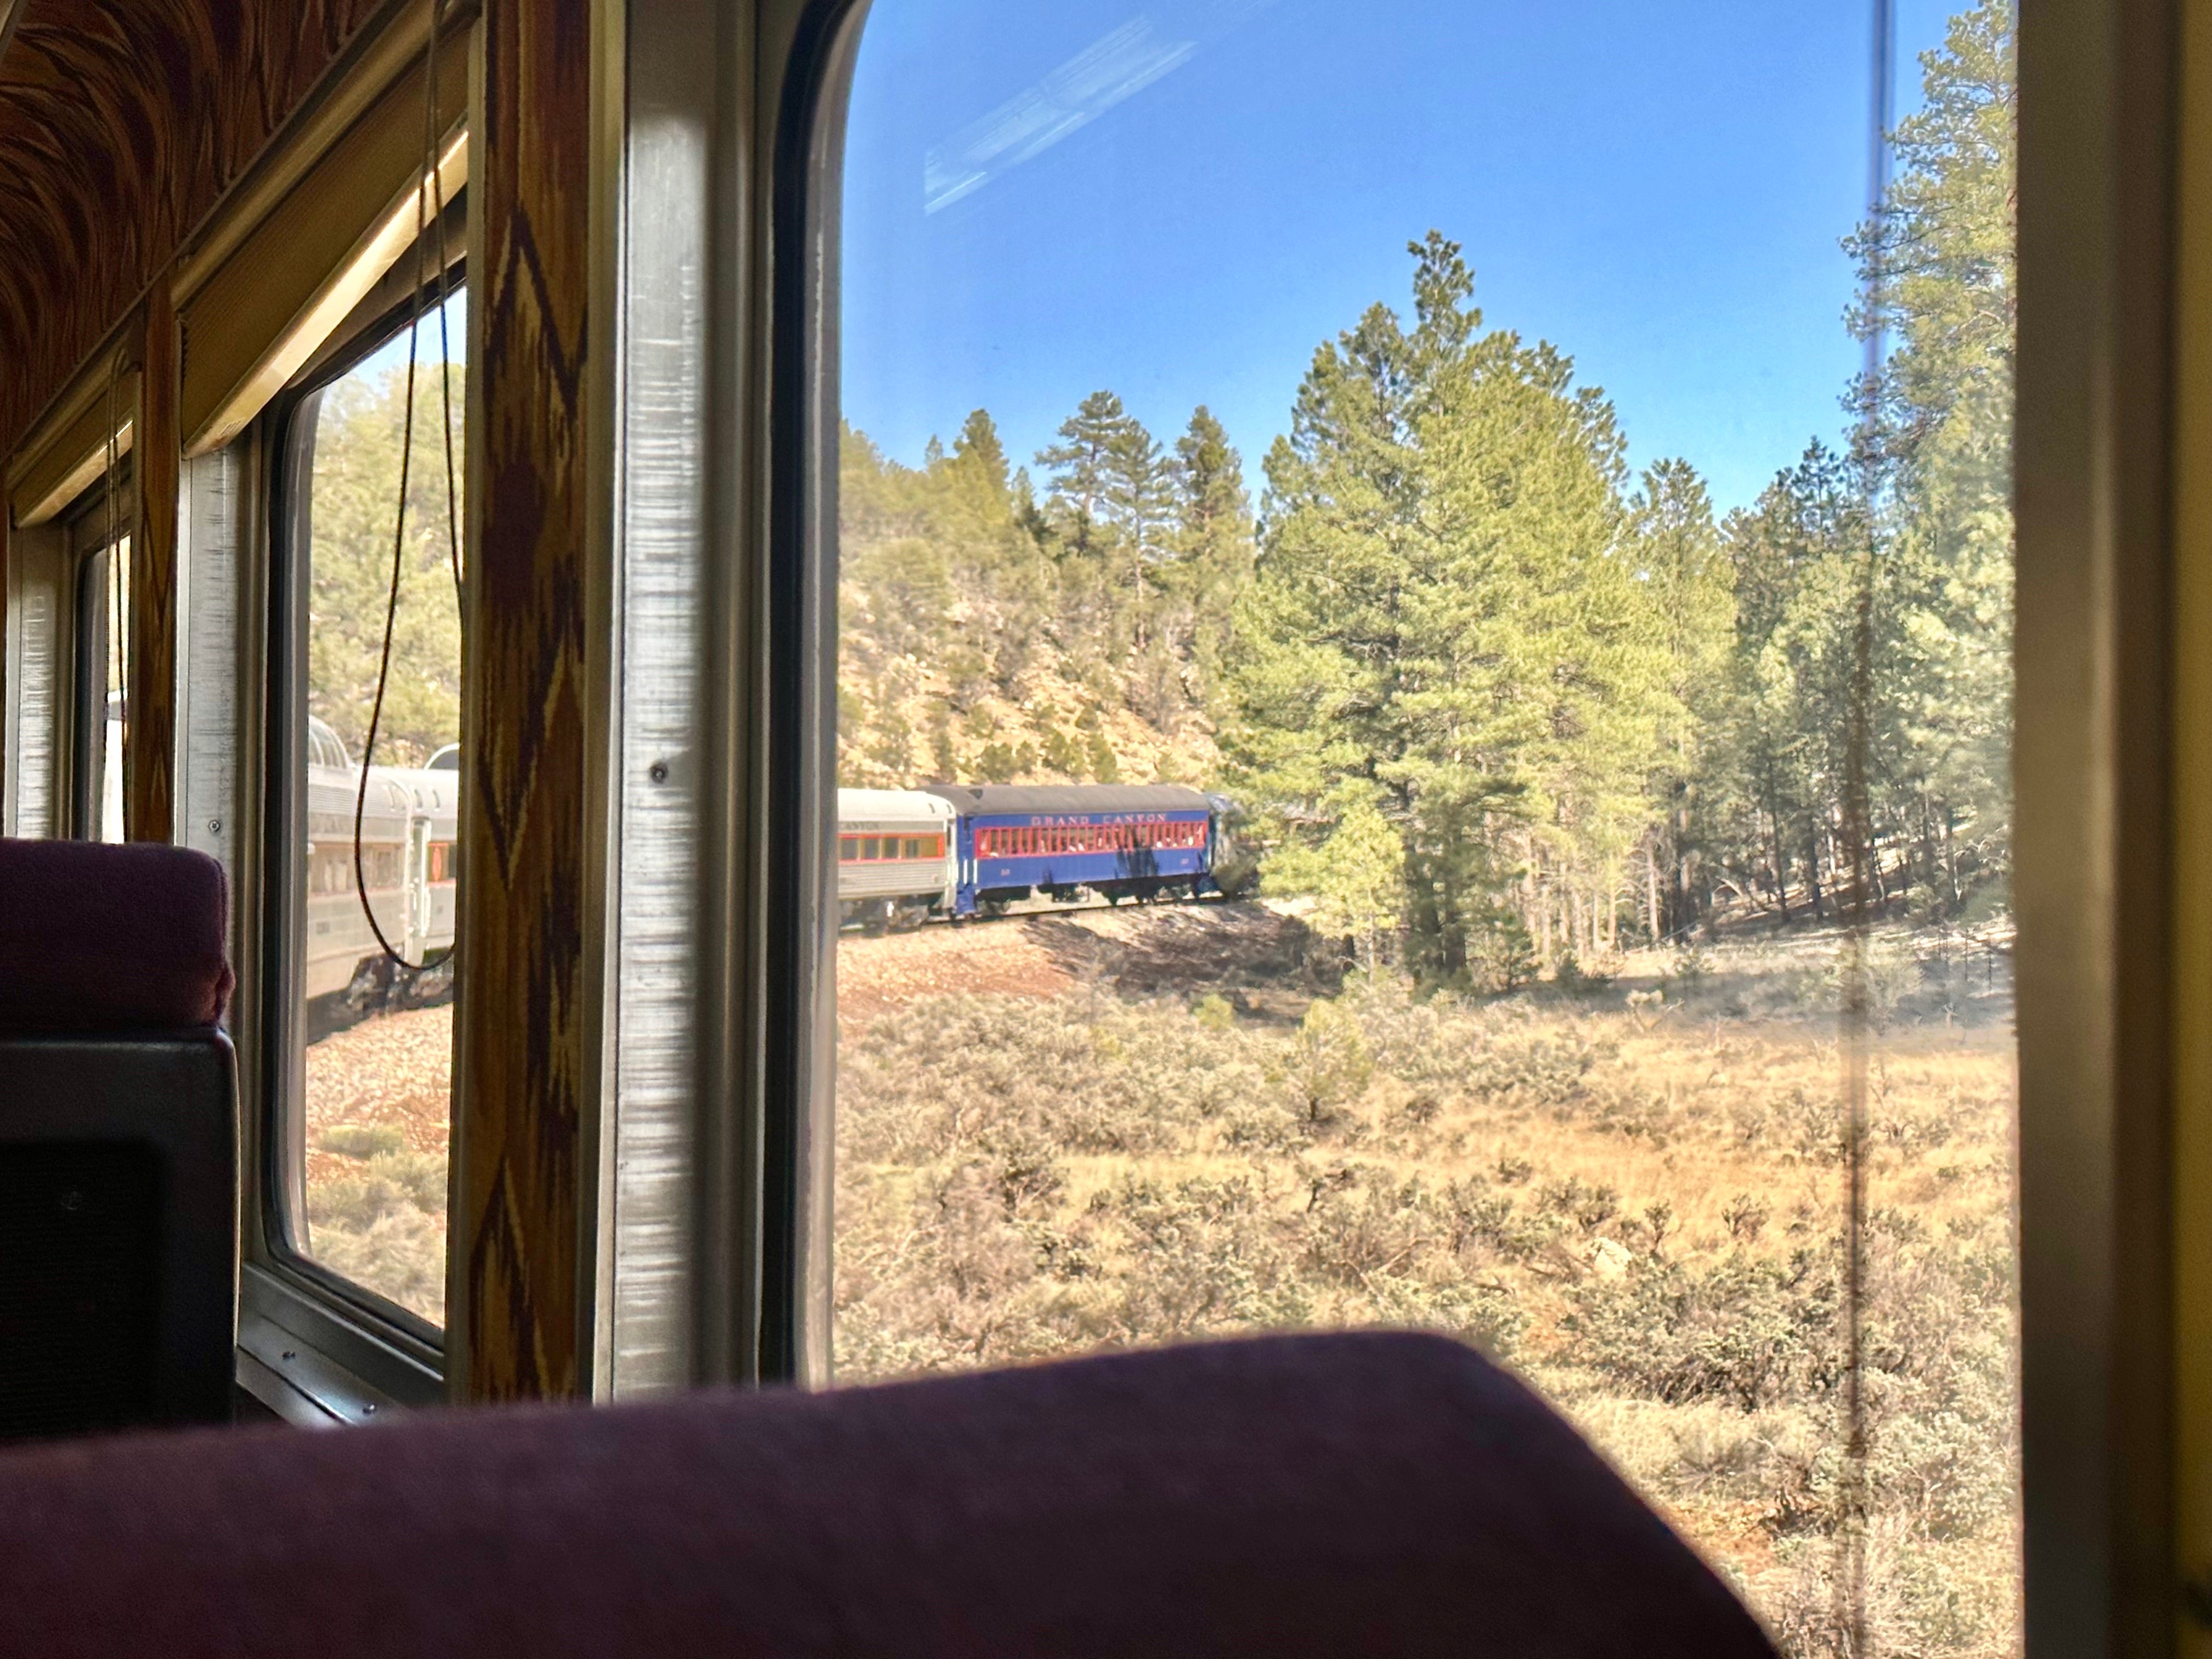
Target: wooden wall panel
(518, 1184)
(121, 123)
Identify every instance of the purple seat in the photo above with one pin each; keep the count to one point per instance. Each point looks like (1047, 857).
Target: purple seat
(119, 1140)
(1375, 1495)
(101, 938)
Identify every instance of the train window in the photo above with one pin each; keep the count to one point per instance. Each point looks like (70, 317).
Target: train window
(1452, 570)
(103, 641)
(373, 984)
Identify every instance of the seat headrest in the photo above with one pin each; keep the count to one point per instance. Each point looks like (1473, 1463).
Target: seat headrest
(97, 937)
(1387, 1495)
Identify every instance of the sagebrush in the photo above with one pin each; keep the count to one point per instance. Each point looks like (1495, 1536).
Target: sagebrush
(1639, 1210)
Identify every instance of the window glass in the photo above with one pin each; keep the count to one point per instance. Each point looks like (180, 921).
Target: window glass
(378, 1021)
(104, 598)
(1389, 500)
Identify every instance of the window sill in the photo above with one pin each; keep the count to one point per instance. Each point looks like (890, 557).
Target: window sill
(314, 1365)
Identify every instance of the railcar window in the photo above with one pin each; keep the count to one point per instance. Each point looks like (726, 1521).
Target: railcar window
(103, 641)
(1453, 586)
(376, 1027)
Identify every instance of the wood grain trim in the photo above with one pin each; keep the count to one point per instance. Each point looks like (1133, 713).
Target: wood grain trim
(377, 57)
(149, 766)
(122, 125)
(250, 323)
(60, 462)
(519, 1292)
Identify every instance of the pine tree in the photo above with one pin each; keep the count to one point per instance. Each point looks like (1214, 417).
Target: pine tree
(1946, 253)
(1359, 873)
(1139, 503)
(1678, 555)
(1081, 468)
(1211, 508)
(960, 597)
(1442, 609)
(977, 449)
(1214, 547)
(1793, 558)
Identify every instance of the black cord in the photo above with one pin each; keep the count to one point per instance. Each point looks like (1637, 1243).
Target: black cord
(406, 454)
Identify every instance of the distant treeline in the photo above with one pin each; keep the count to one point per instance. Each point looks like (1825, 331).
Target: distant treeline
(1494, 701)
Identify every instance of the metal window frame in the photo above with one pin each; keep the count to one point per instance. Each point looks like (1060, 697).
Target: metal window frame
(720, 136)
(807, 203)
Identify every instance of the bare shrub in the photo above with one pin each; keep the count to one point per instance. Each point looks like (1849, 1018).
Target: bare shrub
(1643, 1214)
(1329, 1063)
(1746, 1217)
(1204, 1257)
(394, 1181)
(401, 1254)
(361, 1140)
(1748, 1329)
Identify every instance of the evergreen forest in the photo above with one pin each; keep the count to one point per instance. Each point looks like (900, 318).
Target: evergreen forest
(1498, 704)
(355, 485)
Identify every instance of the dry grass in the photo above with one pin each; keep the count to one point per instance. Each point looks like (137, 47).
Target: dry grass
(1638, 1204)
(379, 1117)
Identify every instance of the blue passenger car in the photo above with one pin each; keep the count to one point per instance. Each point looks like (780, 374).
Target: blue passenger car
(1121, 841)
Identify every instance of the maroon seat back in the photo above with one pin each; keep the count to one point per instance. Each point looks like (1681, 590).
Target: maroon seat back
(101, 937)
(1376, 1495)
(118, 1182)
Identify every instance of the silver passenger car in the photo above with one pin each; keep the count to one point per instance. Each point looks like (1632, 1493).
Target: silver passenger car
(895, 856)
(409, 828)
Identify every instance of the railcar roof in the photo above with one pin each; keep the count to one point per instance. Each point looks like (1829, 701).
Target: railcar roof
(991, 798)
(872, 804)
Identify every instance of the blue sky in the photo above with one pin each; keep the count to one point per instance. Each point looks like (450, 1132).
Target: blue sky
(1047, 197)
(392, 353)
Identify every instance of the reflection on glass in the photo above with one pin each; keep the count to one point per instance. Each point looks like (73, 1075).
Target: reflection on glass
(1421, 878)
(379, 1016)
